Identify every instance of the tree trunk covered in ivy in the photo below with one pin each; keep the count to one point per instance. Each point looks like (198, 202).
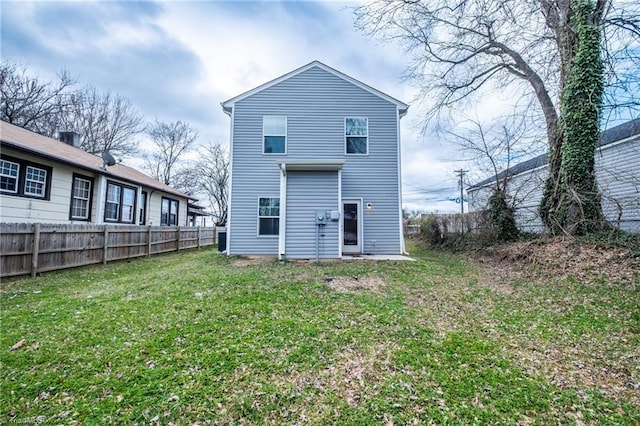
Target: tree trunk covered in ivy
(571, 201)
(502, 216)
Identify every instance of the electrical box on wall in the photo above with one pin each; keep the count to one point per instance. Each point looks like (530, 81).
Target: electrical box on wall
(335, 215)
(321, 218)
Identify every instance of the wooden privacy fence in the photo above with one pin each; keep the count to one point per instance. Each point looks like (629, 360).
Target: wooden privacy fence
(31, 248)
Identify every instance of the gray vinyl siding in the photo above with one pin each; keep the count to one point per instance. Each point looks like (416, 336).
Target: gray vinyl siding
(618, 177)
(308, 192)
(316, 103)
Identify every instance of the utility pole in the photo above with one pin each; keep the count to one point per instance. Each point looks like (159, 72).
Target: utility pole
(461, 174)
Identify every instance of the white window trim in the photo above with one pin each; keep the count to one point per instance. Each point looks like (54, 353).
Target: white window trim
(363, 136)
(43, 190)
(258, 217)
(106, 201)
(16, 177)
(286, 130)
(133, 205)
(74, 197)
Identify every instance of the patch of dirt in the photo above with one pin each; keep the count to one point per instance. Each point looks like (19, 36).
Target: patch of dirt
(564, 257)
(354, 284)
(353, 375)
(251, 260)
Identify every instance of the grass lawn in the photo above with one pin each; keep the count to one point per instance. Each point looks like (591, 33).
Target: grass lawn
(198, 337)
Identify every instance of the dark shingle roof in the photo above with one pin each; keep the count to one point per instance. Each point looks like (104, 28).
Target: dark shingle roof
(607, 137)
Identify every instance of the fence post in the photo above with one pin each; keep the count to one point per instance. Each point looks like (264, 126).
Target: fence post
(149, 242)
(106, 245)
(36, 247)
(198, 237)
(178, 238)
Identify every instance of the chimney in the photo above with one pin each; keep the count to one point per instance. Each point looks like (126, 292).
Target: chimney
(70, 138)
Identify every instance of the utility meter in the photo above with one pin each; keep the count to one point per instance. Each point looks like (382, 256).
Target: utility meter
(321, 218)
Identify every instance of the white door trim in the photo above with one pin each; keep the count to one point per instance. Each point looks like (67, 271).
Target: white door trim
(352, 249)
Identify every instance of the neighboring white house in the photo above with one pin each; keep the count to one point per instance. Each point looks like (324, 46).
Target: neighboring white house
(315, 167)
(617, 165)
(43, 180)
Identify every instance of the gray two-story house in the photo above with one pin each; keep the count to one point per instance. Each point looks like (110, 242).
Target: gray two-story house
(315, 168)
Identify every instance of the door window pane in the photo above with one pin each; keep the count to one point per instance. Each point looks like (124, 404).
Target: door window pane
(350, 224)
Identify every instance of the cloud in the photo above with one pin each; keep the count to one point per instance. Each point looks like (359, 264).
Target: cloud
(179, 60)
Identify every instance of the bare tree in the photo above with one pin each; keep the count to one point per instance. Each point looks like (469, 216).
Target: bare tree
(464, 50)
(105, 121)
(213, 180)
(30, 103)
(493, 146)
(172, 141)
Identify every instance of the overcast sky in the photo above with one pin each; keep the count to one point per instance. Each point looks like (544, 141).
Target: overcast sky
(180, 60)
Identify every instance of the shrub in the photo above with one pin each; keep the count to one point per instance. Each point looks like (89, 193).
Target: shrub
(431, 230)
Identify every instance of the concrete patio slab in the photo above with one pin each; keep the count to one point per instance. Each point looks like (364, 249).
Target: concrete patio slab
(378, 257)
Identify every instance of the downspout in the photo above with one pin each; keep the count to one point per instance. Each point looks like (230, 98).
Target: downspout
(340, 207)
(282, 230)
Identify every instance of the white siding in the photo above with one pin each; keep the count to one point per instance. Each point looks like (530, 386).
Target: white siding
(618, 175)
(31, 210)
(18, 209)
(155, 207)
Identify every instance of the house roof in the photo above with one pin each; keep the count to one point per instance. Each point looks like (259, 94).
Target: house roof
(32, 143)
(609, 136)
(227, 106)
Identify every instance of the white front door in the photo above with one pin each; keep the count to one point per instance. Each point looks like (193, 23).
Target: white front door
(352, 226)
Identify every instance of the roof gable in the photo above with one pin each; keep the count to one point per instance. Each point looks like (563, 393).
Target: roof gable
(42, 146)
(227, 106)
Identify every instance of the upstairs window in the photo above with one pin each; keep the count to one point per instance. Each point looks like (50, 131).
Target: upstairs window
(269, 216)
(274, 131)
(356, 132)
